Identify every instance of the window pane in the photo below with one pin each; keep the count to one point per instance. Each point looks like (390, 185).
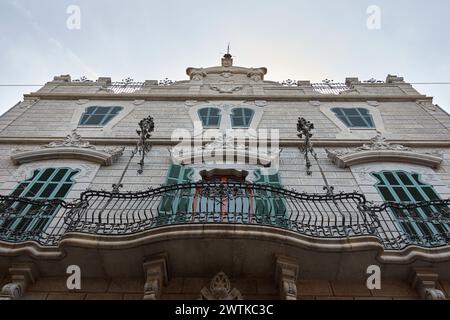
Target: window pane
(34, 190)
(19, 190)
(357, 121)
(404, 178)
(351, 112)
(430, 193)
(59, 175)
(390, 178)
(345, 121)
(48, 190)
(64, 189)
(99, 115)
(94, 120)
(387, 195)
(369, 121)
(401, 194)
(213, 121)
(238, 122)
(46, 175)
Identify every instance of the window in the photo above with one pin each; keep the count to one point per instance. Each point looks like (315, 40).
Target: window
(210, 117)
(354, 117)
(241, 117)
(99, 116)
(194, 204)
(45, 184)
(401, 186)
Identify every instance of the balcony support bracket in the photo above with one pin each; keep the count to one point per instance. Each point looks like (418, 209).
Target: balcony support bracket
(424, 280)
(286, 274)
(22, 276)
(156, 273)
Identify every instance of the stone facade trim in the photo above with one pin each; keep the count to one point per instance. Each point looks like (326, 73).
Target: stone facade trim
(379, 150)
(72, 147)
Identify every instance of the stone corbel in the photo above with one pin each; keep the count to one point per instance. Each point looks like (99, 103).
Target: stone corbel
(424, 280)
(286, 274)
(156, 274)
(22, 276)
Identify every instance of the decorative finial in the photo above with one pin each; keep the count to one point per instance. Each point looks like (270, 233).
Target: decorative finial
(227, 60)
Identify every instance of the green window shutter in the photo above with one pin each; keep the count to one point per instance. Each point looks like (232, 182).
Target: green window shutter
(270, 206)
(45, 184)
(176, 201)
(400, 186)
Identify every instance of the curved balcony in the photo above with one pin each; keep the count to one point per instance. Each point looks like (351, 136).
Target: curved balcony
(326, 216)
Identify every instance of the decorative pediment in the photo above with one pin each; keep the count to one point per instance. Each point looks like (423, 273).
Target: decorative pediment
(225, 145)
(220, 289)
(227, 71)
(379, 150)
(72, 147)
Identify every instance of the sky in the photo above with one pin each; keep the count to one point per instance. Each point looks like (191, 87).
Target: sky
(152, 40)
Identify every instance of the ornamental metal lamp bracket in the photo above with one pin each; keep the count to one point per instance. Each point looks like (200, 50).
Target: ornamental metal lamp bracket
(146, 127)
(304, 129)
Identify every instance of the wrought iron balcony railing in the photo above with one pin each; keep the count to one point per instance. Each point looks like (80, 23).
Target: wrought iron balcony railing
(329, 215)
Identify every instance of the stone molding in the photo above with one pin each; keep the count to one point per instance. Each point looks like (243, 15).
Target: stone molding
(286, 142)
(379, 150)
(424, 280)
(72, 147)
(248, 232)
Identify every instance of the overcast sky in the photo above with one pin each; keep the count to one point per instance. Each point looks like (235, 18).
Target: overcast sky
(301, 40)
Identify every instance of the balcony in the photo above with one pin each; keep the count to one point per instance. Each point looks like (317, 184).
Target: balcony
(323, 216)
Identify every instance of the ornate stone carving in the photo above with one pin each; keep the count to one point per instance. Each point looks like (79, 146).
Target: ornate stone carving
(434, 294)
(198, 75)
(380, 143)
(12, 291)
(225, 87)
(226, 74)
(220, 289)
(256, 75)
(71, 140)
(260, 103)
(225, 144)
(373, 103)
(315, 103)
(381, 150)
(72, 147)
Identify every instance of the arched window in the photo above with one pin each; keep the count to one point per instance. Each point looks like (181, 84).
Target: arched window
(45, 184)
(99, 116)
(241, 117)
(418, 223)
(354, 117)
(210, 117)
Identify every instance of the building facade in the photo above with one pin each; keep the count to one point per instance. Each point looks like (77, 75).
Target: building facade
(225, 186)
